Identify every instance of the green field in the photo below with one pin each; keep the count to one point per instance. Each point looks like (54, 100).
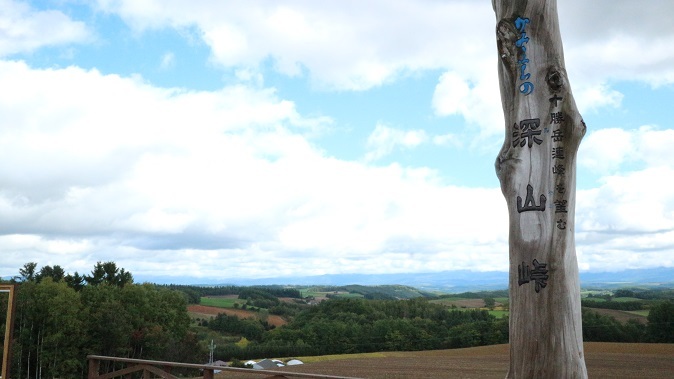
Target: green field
(309, 292)
(499, 314)
(623, 299)
(643, 312)
(220, 302)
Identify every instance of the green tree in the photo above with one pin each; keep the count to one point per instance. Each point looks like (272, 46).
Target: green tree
(58, 323)
(75, 281)
(27, 272)
(56, 273)
(109, 273)
(49, 327)
(661, 322)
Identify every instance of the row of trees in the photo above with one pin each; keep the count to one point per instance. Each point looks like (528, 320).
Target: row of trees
(106, 272)
(195, 293)
(617, 305)
(57, 324)
(251, 329)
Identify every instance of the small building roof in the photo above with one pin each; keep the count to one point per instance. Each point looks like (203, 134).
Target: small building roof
(265, 364)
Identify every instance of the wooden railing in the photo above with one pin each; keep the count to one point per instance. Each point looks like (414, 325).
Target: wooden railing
(158, 368)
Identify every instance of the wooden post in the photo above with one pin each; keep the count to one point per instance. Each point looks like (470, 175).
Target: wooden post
(9, 328)
(537, 171)
(94, 368)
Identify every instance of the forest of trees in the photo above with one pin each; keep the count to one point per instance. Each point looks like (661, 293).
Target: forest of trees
(62, 318)
(341, 326)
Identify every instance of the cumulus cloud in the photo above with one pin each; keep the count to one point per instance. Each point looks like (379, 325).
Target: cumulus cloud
(342, 45)
(23, 29)
(479, 103)
(594, 96)
(611, 40)
(357, 46)
(385, 140)
(606, 151)
(627, 221)
(108, 167)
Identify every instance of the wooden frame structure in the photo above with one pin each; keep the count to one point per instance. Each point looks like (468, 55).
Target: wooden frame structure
(9, 327)
(158, 368)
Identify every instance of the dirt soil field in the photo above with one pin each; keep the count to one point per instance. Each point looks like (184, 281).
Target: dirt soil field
(206, 312)
(620, 316)
(469, 303)
(466, 303)
(604, 360)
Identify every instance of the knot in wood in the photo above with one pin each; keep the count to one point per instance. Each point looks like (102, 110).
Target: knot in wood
(555, 80)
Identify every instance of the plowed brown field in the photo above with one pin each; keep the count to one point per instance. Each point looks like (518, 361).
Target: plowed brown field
(604, 360)
(206, 311)
(620, 316)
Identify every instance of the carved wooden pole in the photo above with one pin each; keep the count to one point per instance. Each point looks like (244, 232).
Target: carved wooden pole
(537, 170)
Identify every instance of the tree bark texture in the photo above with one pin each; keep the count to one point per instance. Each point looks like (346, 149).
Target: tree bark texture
(537, 171)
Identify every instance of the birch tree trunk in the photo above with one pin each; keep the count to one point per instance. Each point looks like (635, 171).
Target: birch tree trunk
(537, 171)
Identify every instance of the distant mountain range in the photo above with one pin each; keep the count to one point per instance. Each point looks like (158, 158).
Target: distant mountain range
(446, 281)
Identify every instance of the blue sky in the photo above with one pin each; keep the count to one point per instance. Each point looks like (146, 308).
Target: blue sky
(262, 139)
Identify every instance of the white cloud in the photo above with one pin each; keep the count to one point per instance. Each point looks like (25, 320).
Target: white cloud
(447, 140)
(639, 201)
(618, 40)
(479, 103)
(655, 146)
(110, 168)
(342, 45)
(607, 150)
(168, 60)
(384, 140)
(593, 97)
(628, 222)
(357, 46)
(23, 29)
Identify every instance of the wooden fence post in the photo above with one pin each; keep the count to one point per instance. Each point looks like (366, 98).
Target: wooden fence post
(537, 171)
(94, 367)
(9, 329)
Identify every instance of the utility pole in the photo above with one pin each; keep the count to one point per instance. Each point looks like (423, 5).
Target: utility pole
(537, 171)
(211, 349)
